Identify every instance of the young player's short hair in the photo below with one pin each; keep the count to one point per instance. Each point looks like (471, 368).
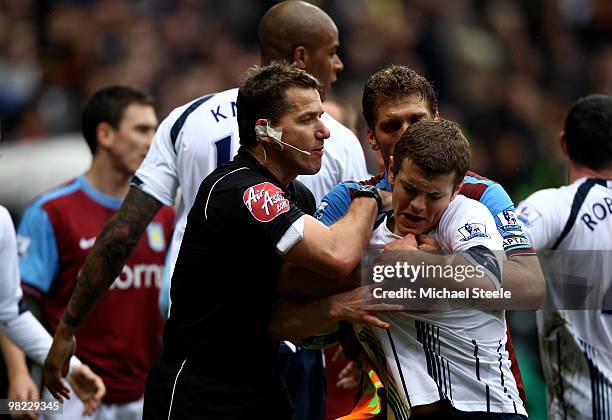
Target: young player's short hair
(437, 147)
(588, 131)
(392, 83)
(108, 105)
(262, 94)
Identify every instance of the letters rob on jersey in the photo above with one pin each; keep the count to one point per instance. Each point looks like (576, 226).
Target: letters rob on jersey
(265, 201)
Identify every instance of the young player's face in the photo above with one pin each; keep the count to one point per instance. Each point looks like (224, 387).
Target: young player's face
(302, 127)
(393, 117)
(133, 137)
(323, 61)
(419, 201)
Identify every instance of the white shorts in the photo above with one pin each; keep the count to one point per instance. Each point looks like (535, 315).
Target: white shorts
(73, 409)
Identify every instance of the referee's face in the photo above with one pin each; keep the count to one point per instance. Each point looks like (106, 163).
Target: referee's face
(303, 129)
(419, 200)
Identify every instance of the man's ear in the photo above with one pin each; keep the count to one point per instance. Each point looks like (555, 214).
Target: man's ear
(563, 143)
(263, 138)
(390, 172)
(372, 140)
(105, 134)
(300, 56)
(457, 189)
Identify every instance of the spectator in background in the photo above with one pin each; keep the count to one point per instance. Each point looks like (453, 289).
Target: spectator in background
(122, 337)
(508, 69)
(343, 112)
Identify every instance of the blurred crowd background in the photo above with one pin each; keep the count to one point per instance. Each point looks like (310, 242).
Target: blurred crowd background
(506, 70)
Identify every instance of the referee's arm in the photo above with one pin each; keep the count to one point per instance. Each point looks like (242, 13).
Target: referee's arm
(335, 251)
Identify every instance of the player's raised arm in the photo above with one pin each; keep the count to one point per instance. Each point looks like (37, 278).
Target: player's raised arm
(523, 277)
(297, 281)
(335, 251)
(110, 252)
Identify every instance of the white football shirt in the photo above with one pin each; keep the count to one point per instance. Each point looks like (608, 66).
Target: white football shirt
(457, 355)
(15, 320)
(575, 345)
(10, 292)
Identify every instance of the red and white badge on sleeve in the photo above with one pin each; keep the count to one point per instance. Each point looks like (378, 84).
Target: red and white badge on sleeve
(265, 201)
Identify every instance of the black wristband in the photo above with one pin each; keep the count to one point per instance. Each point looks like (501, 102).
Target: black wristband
(370, 191)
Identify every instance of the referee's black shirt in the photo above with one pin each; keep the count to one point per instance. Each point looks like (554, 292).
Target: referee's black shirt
(223, 285)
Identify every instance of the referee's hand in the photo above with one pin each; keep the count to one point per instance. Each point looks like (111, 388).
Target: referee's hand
(57, 362)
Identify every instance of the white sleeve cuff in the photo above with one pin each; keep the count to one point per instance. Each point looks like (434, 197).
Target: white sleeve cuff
(74, 362)
(26, 332)
(291, 237)
(31, 337)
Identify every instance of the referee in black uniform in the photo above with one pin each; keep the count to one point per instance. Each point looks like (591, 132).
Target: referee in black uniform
(246, 221)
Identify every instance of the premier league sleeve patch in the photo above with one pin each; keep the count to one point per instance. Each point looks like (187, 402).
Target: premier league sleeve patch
(473, 230)
(507, 223)
(265, 201)
(155, 237)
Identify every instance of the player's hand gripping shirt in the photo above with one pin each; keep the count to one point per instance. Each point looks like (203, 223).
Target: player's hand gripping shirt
(456, 355)
(120, 338)
(575, 345)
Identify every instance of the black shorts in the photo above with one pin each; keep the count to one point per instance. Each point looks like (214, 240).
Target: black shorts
(175, 392)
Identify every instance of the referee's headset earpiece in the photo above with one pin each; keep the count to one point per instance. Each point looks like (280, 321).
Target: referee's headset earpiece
(276, 136)
(267, 131)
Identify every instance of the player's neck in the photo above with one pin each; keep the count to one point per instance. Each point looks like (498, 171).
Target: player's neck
(391, 225)
(577, 171)
(108, 180)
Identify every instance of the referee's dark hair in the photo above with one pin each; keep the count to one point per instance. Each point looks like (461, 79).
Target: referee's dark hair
(108, 105)
(437, 147)
(588, 131)
(262, 95)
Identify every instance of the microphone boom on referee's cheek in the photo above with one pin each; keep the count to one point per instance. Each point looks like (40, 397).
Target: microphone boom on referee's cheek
(276, 135)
